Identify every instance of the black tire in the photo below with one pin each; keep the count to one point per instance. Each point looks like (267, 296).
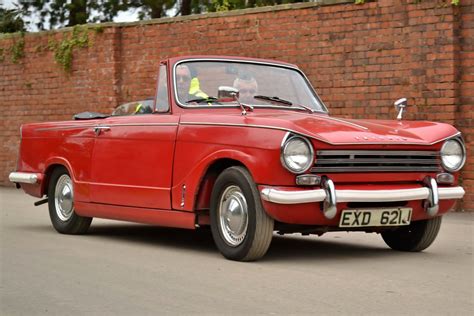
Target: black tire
(255, 228)
(62, 214)
(415, 237)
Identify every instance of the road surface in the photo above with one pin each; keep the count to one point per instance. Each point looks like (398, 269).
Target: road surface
(130, 269)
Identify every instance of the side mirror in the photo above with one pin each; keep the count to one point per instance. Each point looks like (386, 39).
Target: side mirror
(400, 106)
(225, 92)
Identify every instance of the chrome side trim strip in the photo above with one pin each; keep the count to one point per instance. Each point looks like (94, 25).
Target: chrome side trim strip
(23, 177)
(144, 124)
(123, 185)
(319, 195)
(64, 127)
(110, 125)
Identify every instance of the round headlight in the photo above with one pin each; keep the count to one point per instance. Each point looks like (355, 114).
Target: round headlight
(297, 154)
(453, 155)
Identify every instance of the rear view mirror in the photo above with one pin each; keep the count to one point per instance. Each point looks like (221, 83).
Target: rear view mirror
(229, 93)
(400, 106)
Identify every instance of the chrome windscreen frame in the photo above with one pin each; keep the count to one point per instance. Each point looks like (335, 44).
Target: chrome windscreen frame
(175, 92)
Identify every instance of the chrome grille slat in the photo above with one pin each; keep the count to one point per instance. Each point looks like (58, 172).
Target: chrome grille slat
(377, 169)
(376, 161)
(376, 153)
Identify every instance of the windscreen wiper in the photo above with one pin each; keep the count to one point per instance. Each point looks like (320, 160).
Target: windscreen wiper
(275, 99)
(202, 100)
(282, 101)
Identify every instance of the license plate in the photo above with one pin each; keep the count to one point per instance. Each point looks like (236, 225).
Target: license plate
(375, 217)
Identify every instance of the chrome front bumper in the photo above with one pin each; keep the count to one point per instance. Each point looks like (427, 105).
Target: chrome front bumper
(330, 196)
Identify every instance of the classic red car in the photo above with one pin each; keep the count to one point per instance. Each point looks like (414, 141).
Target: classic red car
(247, 147)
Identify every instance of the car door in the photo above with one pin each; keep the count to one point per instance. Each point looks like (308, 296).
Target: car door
(132, 161)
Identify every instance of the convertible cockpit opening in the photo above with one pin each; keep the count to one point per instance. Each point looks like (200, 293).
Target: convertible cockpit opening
(89, 116)
(134, 108)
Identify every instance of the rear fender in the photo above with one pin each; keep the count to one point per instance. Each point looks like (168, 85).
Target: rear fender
(81, 189)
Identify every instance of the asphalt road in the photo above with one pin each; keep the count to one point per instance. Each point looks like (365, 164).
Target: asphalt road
(130, 269)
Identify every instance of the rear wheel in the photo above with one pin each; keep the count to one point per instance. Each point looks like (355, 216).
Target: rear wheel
(240, 227)
(61, 205)
(415, 237)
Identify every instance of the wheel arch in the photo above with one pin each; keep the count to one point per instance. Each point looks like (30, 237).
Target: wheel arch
(51, 165)
(203, 196)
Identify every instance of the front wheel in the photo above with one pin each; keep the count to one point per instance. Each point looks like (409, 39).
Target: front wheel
(240, 227)
(415, 237)
(61, 205)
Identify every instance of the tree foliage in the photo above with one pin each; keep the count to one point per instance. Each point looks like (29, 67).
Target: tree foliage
(11, 21)
(52, 14)
(227, 5)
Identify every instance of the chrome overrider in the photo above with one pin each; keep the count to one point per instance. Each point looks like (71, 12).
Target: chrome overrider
(432, 202)
(430, 194)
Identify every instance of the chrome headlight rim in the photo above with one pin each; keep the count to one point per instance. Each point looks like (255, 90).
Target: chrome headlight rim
(463, 160)
(286, 140)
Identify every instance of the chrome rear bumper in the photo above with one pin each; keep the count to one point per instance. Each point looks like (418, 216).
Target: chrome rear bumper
(24, 177)
(331, 196)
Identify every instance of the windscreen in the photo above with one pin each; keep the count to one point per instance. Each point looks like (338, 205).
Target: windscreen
(200, 83)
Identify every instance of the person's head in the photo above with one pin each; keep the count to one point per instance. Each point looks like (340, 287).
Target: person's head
(183, 80)
(248, 87)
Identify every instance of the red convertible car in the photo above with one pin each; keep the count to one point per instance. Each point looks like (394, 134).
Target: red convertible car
(247, 147)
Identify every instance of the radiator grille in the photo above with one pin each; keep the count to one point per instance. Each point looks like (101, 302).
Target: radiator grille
(328, 161)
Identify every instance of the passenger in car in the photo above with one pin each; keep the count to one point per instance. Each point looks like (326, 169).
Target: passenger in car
(188, 87)
(143, 109)
(247, 86)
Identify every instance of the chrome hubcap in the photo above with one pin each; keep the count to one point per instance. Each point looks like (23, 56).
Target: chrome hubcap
(63, 198)
(233, 216)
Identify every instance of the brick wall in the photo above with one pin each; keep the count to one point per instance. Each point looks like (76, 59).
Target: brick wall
(359, 57)
(465, 95)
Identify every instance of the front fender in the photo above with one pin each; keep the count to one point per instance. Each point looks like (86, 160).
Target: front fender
(199, 146)
(185, 190)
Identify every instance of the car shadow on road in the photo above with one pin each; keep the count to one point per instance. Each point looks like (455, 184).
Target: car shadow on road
(282, 249)
(199, 240)
(285, 248)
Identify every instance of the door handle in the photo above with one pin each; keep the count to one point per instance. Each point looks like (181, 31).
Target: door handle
(98, 129)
